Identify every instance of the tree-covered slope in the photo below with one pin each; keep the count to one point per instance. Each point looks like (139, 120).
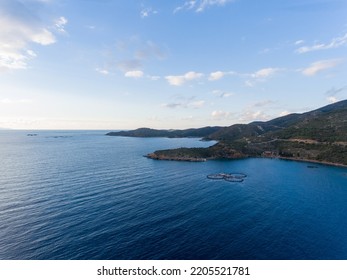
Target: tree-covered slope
(171, 133)
(318, 135)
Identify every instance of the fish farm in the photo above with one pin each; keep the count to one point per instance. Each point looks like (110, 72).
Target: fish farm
(230, 177)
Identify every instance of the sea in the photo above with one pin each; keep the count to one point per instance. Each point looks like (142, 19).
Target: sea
(82, 195)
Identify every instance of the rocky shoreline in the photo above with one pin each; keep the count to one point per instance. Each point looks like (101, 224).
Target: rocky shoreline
(190, 159)
(314, 161)
(197, 159)
(318, 136)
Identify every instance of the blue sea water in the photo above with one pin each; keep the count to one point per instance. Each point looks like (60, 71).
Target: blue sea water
(84, 195)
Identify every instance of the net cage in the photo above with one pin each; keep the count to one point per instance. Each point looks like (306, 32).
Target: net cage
(230, 177)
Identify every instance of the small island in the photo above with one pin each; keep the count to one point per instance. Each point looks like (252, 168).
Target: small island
(318, 136)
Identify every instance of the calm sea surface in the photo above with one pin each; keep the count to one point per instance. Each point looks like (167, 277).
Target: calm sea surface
(84, 195)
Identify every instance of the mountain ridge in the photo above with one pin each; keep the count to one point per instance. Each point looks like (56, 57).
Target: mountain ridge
(319, 135)
(170, 133)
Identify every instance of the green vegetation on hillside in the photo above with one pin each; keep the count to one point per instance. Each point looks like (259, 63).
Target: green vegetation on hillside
(171, 133)
(319, 135)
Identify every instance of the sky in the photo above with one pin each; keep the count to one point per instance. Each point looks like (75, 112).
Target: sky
(120, 64)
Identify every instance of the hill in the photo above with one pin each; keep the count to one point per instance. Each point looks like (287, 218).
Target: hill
(170, 133)
(318, 135)
(322, 124)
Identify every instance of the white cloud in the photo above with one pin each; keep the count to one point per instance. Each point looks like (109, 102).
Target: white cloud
(146, 12)
(319, 66)
(220, 115)
(60, 24)
(14, 101)
(198, 104)
(19, 29)
(205, 3)
(256, 111)
(263, 103)
(192, 75)
(261, 76)
(214, 76)
(134, 74)
(333, 93)
(188, 5)
(180, 80)
(175, 80)
(334, 43)
(42, 36)
(299, 42)
(201, 5)
(102, 71)
(249, 83)
(264, 73)
(284, 113)
(154, 78)
(250, 115)
(332, 99)
(31, 53)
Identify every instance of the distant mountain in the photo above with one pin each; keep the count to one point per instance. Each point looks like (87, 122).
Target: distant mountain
(318, 124)
(172, 133)
(319, 135)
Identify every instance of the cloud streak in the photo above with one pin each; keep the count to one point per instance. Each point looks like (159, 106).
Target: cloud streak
(319, 66)
(333, 93)
(222, 94)
(200, 5)
(333, 44)
(261, 75)
(146, 12)
(102, 71)
(60, 24)
(214, 76)
(264, 73)
(185, 104)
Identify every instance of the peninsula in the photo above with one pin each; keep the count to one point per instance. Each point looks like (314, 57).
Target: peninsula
(318, 136)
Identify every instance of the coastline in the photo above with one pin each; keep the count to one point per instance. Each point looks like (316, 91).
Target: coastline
(191, 159)
(314, 161)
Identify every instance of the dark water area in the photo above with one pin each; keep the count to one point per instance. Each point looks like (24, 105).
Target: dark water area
(84, 195)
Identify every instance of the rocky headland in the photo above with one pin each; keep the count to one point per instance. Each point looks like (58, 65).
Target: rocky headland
(316, 136)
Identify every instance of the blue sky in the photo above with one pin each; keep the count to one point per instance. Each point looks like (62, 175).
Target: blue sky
(120, 64)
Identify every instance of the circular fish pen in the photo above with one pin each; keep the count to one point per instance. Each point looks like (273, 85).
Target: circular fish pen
(218, 176)
(233, 179)
(229, 177)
